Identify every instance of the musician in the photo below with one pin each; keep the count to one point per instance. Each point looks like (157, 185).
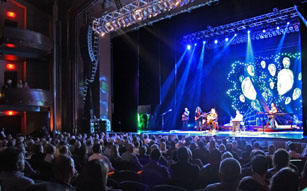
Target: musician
(236, 121)
(185, 118)
(212, 119)
(272, 116)
(198, 118)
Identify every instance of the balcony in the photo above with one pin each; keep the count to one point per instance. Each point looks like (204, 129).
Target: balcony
(21, 99)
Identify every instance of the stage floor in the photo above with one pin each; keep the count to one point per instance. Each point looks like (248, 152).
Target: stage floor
(252, 134)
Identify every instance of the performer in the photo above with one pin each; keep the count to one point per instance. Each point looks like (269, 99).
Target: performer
(212, 120)
(272, 116)
(236, 121)
(185, 118)
(198, 118)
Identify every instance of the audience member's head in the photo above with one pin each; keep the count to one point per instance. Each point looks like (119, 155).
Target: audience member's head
(259, 165)
(63, 149)
(97, 148)
(93, 176)
(281, 158)
(63, 169)
(285, 180)
(292, 147)
(226, 154)
(183, 154)
(230, 171)
(12, 159)
(215, 157)
(142, 150)
(49, 148)
(129, 148)
(271, 149)
(155, 154)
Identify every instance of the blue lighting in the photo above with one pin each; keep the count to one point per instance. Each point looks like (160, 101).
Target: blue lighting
(226, 39)
(248, 31)
(189, 47)
(204, 42)
(263, 31)
(236, 34)
(277, 28)
(215, 42)
(195, 44)
(288, 23)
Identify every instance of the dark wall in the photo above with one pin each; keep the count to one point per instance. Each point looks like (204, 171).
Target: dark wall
(125, 82)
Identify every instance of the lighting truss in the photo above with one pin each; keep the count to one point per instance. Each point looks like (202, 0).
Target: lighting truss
(267, 21)
(141, 11)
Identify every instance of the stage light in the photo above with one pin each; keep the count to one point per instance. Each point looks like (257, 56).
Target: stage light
(204, 42)
(277, 28)
(195, 44)
(10, 66)
(11, 14)
(263, 31)
(288, 23)
(236, 34)
(189, 47)
(215, 42)
(248, 31)
(226, 39)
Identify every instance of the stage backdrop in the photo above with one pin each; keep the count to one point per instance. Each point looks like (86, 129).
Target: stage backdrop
(247, 77)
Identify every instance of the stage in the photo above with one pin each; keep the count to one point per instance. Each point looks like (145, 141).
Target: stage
(247, 134)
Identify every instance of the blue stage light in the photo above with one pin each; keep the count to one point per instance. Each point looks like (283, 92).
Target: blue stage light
(204, 42)
(277, 28)
(263, 31)
(236, 34)
(226, 39)
(288, 23)
(195, 44)
(215, 42)
(189, 47)
(248, 31)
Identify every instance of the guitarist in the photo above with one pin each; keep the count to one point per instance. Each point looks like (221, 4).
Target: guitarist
(185, 118)
(212, 119)
(198, 118)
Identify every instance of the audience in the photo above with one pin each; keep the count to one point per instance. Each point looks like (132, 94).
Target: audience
(190, 162)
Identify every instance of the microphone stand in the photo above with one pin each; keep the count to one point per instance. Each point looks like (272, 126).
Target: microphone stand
(162, 115)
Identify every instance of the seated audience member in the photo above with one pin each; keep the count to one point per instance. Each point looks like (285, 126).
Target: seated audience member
(93, 176)
(259, 169)
(184, 173)
(153, 172)
(229, 171)
(12, 163)
(131, 158)
(50, 151)
(285, 179)
(281, 159)
(143, 157)
(115, 157)
(271, 150)
(209, 172)
(97, 154)
(292, 151)
(63, 169)
(226, 154)
(201, 153)
(248, 183)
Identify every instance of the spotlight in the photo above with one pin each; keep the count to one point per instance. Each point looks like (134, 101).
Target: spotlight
(263, 31)
(215, 42)
(204, 42)
(226, 39)
(189, 47)
(248, 31)
(195, 44)
(236, 34)
(288, 23)
(277, 28)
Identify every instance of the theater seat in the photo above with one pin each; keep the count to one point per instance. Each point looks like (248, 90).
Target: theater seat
(133, 186)
(166, 187)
